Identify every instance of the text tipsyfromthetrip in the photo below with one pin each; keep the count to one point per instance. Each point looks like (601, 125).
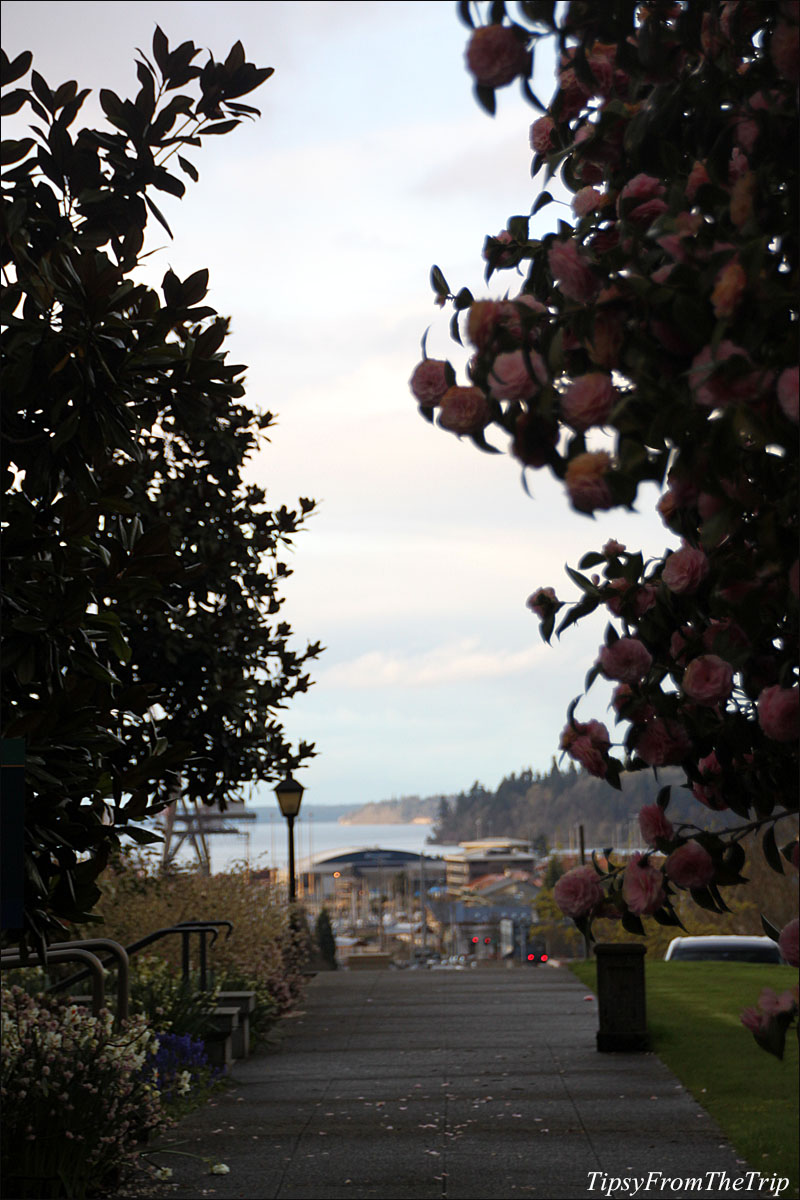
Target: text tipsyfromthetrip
(656, 1182)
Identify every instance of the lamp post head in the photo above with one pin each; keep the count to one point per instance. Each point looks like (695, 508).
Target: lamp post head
(289, 793)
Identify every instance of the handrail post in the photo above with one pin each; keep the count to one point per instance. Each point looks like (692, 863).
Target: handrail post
(203, 962)
(185, 954)
(123, 968)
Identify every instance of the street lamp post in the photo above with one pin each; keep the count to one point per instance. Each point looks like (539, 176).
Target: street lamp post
(289, 794)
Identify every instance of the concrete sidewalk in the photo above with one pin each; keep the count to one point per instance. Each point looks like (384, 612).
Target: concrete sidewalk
(474, 1084)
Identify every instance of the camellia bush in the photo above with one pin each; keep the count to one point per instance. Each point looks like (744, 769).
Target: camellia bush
(652, 339)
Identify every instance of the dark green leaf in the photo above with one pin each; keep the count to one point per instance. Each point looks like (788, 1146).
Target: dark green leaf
(12, 151)
(486, 99)
(631, 923)
(771, 852)
(157, 214)
(14, 70)
(438, 282)
(190, 170)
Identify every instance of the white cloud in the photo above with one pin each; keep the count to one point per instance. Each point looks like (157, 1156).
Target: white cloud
(460, 662)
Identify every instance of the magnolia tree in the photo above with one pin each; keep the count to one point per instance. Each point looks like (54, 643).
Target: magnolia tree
(142, 648)
(652, 339)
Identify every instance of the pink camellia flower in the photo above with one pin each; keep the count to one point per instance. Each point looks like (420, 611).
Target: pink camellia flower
(588, 401)
(542, 601)
(492, 253)
(754, 1020)
(788, 943)
(482, 322)
(685, 570)
(708, 679)
(709, 792)
(642, 886)
(771, 1004)
(779, 713)
(579, 892)
(728, 289)
(613, 548)
(431, 379)
(586, 483)
(713, 387)
(787, 390)
(510, 377)
(640, 200)
(571, 272)
(586, 200)
(590, 749)
(654, 824)
(741, 202)
(697, 177)
(590, 757)
(690, 866)
(542, 135)
(464, 410)
(627, 660)
(572, 94)
(496, 55)
(662, 742)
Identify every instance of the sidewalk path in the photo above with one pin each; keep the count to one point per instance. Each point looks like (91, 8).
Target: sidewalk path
(475, 1084)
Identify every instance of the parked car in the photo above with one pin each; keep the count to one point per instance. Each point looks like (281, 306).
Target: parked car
(727, 948)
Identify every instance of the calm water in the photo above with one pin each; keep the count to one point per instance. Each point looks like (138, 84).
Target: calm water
(265, 842)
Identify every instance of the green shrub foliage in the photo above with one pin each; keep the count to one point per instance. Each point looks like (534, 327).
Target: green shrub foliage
(142, 651)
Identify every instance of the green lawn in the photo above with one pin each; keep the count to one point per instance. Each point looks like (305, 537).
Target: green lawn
(693, 1018)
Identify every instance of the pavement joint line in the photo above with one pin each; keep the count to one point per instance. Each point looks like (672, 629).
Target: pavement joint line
(562, 1075)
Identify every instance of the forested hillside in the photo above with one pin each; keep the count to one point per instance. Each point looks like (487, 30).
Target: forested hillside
(548, 808)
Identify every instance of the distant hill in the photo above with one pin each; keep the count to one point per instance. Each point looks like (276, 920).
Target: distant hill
(549, 808)
(402, 811)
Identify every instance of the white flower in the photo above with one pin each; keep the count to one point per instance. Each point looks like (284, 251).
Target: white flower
(219, 1169)
(184, 1083)
(163, 1174)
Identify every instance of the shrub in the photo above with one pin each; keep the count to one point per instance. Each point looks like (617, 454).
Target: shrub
(262, 954)
(325, 939)
(75, 1098)
(172, 1004)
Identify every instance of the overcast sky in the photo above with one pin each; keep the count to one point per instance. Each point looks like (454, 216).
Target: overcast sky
(319, 224)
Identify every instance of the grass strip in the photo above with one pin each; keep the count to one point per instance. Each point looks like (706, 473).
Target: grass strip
(693, 1018)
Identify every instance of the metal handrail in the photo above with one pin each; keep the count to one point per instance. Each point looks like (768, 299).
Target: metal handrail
(185, 929)
(13, 958)
(123, 967)
(201, 927)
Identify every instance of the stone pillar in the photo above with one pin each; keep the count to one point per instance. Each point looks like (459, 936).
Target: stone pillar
(621, 997)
